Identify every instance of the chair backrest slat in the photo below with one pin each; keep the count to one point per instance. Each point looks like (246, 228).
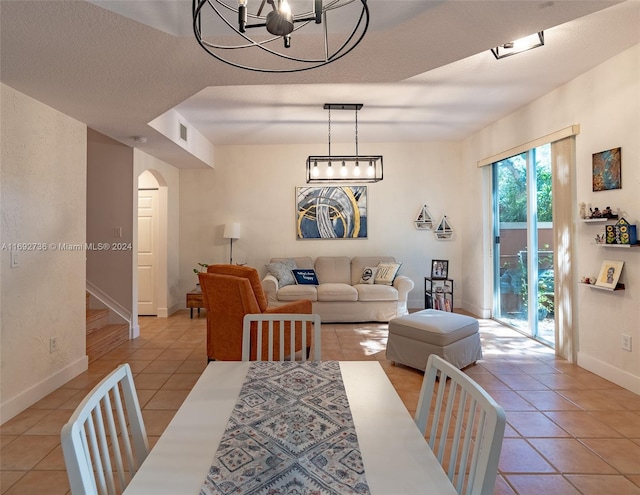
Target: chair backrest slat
(464, 427)
(105, 431)
(275, 325)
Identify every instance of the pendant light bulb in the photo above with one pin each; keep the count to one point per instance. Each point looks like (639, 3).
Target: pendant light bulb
(370, 170)
(343, 169)
(330, 170)
(315, 169)
(356, 170)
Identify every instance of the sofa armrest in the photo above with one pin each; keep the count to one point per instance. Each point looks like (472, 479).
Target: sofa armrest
(403, 285)
(270, 288)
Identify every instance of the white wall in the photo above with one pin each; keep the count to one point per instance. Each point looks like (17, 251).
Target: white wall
(168, 178)
(110, 189)
(605, 102)
(255, 186)
(43, 184)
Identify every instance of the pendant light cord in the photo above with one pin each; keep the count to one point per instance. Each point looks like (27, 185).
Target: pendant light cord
(329, 131)
(356, 133)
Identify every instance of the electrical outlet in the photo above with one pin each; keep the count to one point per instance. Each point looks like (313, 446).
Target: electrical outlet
(53, 344)
(626, 342)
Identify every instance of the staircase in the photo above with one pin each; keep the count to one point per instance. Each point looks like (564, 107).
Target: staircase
(103, 336)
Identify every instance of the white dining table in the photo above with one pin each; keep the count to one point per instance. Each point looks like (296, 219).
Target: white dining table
(397, 459)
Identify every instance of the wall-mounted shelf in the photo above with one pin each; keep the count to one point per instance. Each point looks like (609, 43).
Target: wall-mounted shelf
(623, 246)
(619, 286)
(597, 220)
(424, 220)
(443, 230)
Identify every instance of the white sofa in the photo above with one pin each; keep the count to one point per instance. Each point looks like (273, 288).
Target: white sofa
(339, 297)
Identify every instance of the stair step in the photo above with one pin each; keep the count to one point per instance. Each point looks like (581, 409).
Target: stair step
(96, 318)
(105, 339)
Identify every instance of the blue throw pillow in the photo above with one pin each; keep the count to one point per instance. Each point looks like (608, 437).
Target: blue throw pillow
(305, 277)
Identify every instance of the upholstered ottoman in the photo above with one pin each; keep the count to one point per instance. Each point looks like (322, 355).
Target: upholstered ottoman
(451, 336)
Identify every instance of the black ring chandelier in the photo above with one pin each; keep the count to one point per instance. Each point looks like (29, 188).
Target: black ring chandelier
(226, 20)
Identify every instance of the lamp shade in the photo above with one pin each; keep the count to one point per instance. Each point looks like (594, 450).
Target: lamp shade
(231, 230)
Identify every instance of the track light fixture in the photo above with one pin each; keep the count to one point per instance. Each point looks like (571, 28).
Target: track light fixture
(518, 46)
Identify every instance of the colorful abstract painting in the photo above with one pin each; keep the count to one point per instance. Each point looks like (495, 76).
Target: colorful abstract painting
(331, 212)
(607, 170)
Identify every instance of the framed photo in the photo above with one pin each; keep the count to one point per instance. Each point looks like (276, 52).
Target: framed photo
(609, 274)
(607, 170)
(439, 269)
(331, 212)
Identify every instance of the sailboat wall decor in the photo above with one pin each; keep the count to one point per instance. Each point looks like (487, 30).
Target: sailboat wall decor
(444, 230)
(424, 220)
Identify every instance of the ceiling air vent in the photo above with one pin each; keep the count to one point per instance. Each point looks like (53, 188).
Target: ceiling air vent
(183, 131)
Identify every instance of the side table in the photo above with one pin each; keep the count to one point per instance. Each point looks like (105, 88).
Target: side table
(438, 294)
(195, 300)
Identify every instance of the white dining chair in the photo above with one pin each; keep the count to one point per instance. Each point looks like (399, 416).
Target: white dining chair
(105, 440)
(464, 426)
(282, 323)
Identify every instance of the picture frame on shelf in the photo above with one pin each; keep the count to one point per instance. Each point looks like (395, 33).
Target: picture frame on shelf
(609, 274)
(439, 269)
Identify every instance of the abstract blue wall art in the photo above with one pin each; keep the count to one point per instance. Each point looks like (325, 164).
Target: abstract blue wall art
(607, 170)
(331, 212)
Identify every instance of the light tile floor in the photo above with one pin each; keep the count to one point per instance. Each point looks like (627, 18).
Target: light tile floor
(569, 431)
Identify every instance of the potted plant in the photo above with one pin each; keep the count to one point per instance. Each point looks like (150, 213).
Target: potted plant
(201, 268)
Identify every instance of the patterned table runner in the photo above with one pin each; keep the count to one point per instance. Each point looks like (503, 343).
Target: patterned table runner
(291, 432)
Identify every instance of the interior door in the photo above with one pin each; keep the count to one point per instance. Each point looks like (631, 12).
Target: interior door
(147, 251)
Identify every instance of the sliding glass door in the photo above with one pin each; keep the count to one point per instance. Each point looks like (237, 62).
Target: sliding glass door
(523, 250)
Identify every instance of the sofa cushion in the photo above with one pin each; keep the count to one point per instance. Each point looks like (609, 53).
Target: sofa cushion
(301, 262)
(333, 269)
(368, 275)
(359, 263)
(336, 292)
(282, 271)
(305, 276)
(368, 292)
(386, 273)
(295, 292)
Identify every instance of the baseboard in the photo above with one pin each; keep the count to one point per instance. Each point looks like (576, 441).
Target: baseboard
(611, 373)
(134, 332)
(27, 398)
(176, 307)
(477, 311)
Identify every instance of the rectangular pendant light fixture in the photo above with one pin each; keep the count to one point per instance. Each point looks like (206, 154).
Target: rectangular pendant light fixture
(344, 168)
(364, 168)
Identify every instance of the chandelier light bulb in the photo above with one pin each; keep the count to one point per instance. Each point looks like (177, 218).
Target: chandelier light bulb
(356, 170)
(285, 8)
(330, 170)
(315, 169)
(343, 169)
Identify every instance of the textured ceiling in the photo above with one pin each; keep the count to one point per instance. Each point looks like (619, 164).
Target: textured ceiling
(424, 71)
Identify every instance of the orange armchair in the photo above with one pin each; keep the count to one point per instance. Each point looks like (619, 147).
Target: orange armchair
(230, 292)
